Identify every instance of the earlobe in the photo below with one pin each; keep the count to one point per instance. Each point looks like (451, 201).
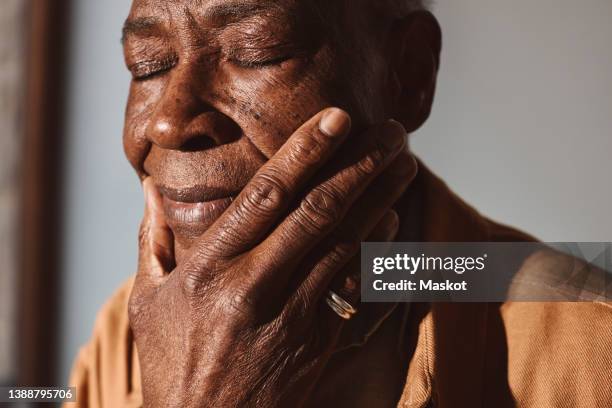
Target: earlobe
(418, 41)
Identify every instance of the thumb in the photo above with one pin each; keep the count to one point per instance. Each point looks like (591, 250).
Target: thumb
(157, 240)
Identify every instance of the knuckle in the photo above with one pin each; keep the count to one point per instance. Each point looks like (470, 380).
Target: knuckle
(373, 161)
(227, 239)
(307, 149)
(320, 210)
(240, 303)
(264, 195)
(192, 283)
(342, 252)
(200, 274)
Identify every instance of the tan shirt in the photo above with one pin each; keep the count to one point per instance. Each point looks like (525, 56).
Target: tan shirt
(418, 355)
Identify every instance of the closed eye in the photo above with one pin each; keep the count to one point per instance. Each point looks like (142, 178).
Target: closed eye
(143, 70)
(258, 62)
(258, 57)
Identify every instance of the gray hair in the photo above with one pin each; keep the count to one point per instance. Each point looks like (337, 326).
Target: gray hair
(403, 7)
(397, 9)
(417, 4)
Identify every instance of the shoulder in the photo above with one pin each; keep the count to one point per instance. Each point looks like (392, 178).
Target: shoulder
(111, 329)
(105, 371)
(559, 352)
(113, 314)
(584, 323)
(538, 354)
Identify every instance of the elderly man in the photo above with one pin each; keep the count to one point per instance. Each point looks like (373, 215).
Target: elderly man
(262, 133)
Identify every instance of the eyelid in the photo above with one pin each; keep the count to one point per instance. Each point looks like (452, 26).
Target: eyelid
(259, 63)
(255, 56)
(145, 69)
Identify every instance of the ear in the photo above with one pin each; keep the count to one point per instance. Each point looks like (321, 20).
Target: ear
(414, 47)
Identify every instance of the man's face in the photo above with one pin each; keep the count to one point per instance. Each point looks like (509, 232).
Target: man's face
(219, 85)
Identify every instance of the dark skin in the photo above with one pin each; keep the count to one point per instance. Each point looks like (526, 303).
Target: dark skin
(257, 193)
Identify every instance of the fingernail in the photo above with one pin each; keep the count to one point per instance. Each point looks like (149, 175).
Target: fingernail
(396, 138)
(335, 122)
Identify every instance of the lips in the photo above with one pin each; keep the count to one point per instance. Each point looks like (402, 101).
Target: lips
(195, 194)
(190, 212)
(198, 186)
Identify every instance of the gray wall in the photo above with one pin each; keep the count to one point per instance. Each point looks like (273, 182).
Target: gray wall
(103, 200)
(522, 126)
(521, 129)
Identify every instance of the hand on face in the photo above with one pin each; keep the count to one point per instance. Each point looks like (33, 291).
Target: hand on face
(242, 320)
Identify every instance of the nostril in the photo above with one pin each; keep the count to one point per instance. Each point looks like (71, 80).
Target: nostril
(198, 143)
(184, 132)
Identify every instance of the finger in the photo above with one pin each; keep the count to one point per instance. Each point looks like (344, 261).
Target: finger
(347, 283)
(364, 216)
(332, 256)
(325, 207)
(267, 196)
(156, 243)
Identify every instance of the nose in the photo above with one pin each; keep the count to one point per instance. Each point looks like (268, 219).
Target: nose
(185, 120)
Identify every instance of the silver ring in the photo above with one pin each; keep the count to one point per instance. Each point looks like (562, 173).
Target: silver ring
(342, 308)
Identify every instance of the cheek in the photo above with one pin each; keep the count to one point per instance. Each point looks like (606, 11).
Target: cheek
(271, 103)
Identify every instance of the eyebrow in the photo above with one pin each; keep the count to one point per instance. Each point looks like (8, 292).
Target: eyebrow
(227, 13)
(133, 26)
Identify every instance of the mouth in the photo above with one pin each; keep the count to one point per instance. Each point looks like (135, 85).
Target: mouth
(190, 212)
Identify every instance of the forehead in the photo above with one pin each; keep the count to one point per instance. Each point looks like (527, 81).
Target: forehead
(168, 15)
(215, 9)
